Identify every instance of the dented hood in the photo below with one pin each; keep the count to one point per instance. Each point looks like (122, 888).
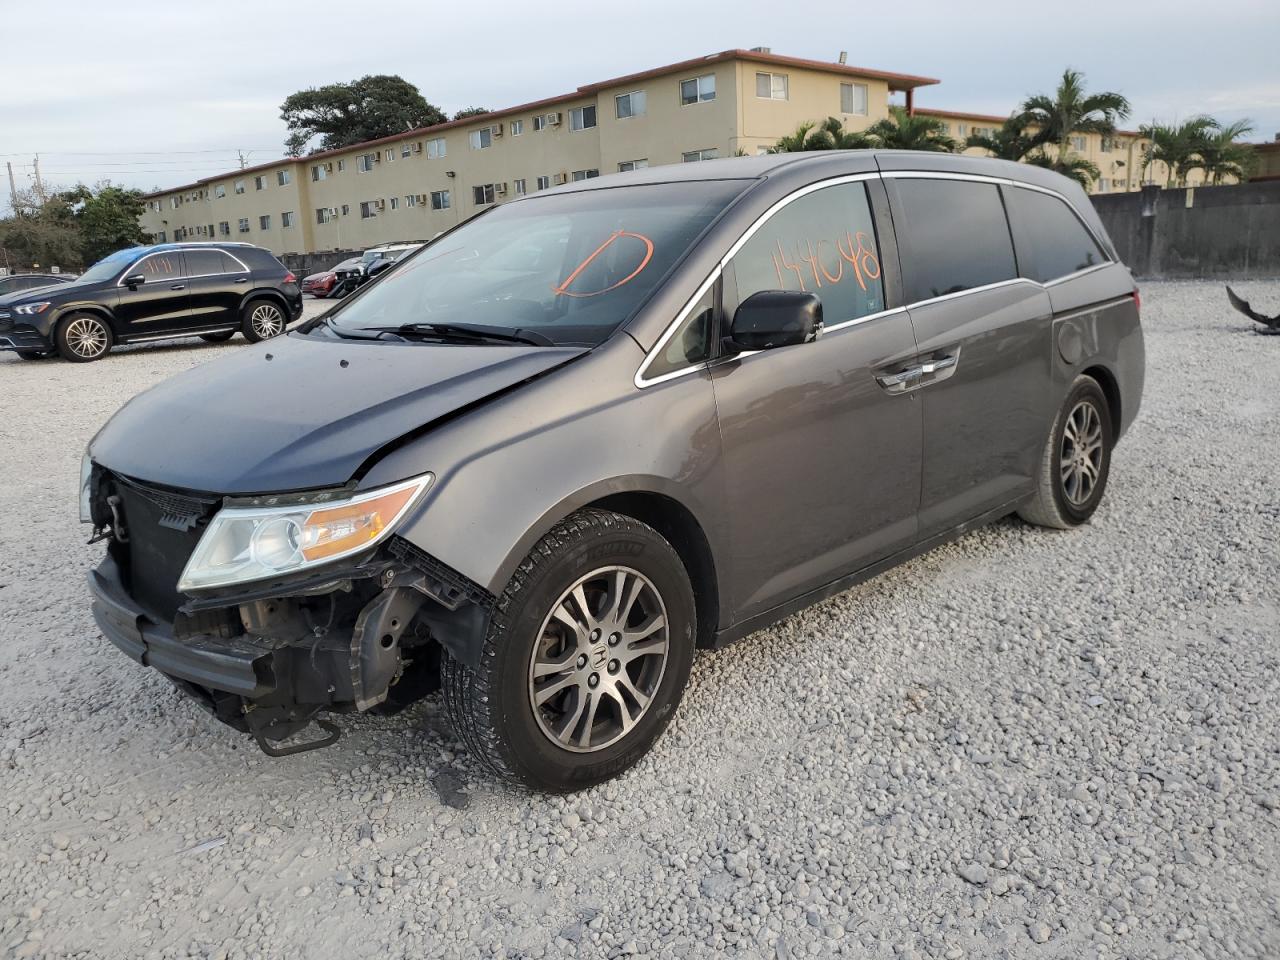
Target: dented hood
(301, 413)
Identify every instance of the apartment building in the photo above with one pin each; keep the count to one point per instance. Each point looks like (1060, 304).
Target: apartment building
(414, 185)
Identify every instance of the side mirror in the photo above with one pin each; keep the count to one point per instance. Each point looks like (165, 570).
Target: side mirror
(134, 281)
(776, 318)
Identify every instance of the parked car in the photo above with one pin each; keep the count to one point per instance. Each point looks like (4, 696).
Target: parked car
(352, 274)
(211, 290)
(31, 281)
(319, 284)
(593, 429)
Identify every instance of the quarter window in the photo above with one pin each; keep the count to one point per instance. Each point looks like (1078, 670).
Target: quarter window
(955, 237)
(853, 98)
(772, 86)
(1052, 242)
(690, 344)
(823, 243)
(698, 89)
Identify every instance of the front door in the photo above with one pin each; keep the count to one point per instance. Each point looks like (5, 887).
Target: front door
(218, 282)
(822, 461)
(159, 303)
(984, 366)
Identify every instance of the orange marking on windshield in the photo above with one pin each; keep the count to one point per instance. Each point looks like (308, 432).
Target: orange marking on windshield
(562, 289)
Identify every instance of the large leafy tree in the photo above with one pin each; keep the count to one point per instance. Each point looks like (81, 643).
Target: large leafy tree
(471, 112)
(1175, 146)
(905, 131)
(107, 218)
(40, 233)
(1012, 140)
(341, 114)
(1070, 109)
(1220, 155)
(830, 135)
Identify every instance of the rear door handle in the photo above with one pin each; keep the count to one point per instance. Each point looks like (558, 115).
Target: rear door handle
(178, 286)
(242, 279)
(941, 363)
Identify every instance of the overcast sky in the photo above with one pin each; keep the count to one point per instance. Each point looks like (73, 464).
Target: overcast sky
(155, 93)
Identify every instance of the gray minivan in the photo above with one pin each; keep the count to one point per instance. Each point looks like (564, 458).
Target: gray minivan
(591, 430)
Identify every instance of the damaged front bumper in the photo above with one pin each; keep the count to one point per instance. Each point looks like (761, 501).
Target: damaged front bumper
(268, 660)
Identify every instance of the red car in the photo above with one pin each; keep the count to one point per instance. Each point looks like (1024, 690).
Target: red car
(319, 284)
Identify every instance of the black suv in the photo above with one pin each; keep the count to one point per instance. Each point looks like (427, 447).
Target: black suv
(30, 281)
(166, 290)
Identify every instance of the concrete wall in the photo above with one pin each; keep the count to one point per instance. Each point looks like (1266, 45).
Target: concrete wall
(1229, 233)
(305, 264)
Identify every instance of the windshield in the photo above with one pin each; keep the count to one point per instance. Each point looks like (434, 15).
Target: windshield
(108, 266)
(570, 267)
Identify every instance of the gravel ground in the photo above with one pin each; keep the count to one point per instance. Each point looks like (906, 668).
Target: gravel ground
(1027, 743)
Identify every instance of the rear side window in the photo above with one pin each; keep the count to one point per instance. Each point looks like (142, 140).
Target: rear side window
(823, 243)
(955, 237)
(1052, 242)
(203, 263)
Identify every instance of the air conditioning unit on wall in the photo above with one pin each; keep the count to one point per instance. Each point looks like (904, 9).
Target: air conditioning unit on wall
(380, 204)
(553, 119)
(496, 130)
(560, 178)
(500, 189)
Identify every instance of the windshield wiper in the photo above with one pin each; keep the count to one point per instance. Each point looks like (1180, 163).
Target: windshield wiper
(469, 332)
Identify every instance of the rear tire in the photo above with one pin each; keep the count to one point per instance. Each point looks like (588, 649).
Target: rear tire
(83, 338)
(1077, 459)
(564, 696)
(221, 337)
(262, 319)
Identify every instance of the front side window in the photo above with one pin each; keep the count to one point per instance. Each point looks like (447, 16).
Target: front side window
(582, 118)
(853, 98)
(1052, 242)
(1079, 144)
(630, 104)
(698, 89)
(342, 165)
(570, 266)
(406, 150)
(160, 266)
(772, 86)
(410, 199)
(539, 123)
(955, 237)
(823, 243)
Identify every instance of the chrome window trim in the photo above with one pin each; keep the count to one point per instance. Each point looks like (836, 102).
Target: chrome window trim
(191, 276)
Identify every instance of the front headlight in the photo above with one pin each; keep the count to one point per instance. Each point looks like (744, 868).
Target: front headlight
(30, 309)
(86, 474)
(244, 544)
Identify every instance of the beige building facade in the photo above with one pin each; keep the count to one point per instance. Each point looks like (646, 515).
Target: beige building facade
(415, 185)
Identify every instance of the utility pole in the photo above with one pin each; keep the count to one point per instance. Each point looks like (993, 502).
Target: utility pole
(13, 189)
(39, 183)
(243, 162)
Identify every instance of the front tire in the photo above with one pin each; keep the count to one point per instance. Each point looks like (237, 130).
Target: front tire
(261, 320)
(34, 354)
(587, 656)
(1076, 462)
(83, 338)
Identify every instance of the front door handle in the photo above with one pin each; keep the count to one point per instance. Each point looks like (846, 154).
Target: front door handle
(242, 279)
(178, 286)
(941, 363)
(901, 377)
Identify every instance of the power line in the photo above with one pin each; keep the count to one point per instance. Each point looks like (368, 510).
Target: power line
(136, 153)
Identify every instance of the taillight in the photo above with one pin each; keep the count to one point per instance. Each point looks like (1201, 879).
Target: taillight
(290, 278)
(1137, 300)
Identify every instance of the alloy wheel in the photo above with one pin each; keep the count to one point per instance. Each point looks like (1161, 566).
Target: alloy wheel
(87, 337)
(599, 659)
(267, 320)
(1081, 455)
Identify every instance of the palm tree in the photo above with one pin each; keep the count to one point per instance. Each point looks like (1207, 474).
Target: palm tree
(1010, 142)
(905, 131)
(1070, 110)
(1219, 155)
(1175, 146)
(831, 135)
(1082, 171)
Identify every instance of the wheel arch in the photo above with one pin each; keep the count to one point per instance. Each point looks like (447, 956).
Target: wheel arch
(72, 309)
(265, 293)
(1111, 390)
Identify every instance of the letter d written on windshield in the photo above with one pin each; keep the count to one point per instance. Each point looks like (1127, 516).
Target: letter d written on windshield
(646, 248)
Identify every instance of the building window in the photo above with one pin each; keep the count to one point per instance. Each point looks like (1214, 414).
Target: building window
(318, 172)
(406, 150)
(224, 229)
(1102, 184)
(244, 224)
(629, 104)
(698, 89)
(853, 98)
(1109, 144)
(342, 165)
(626, 165)
(259, 183)
(439, 199)
(160, 237)
(517, 127)
(323, 214)
(436, 148)
(584, 174)
(482, 138)
(367, 210)
(391, 155)
(208, 232)
(410, 199)
(239, 186)
(544, 182)
(220, 191)
(365, 162)
(539, 122)
(286, 219)
(693, 156)
(264, 222)
(483, 194)
(283, 177)
(395, 203)
(521, 187)
(1079, 144)
(346, 208)
(772, 86)
(582, 118)
(173, 203)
